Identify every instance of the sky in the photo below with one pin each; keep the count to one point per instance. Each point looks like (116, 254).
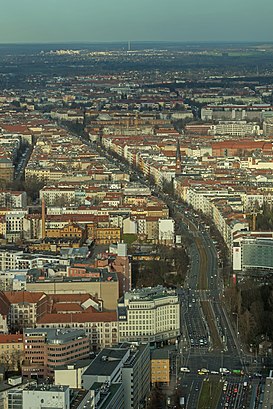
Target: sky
(46, 21)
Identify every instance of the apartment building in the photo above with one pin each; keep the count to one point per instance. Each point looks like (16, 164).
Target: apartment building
(149, 315)
(13, 199)
(25, 308)
(14, 280)
(8, 259)
(11, 350)
(160, 366)
(6, 170)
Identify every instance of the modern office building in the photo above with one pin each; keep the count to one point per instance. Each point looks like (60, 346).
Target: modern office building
(149, 315)
(136, 376)
(46, 349)
(254, 255)
(129, 364)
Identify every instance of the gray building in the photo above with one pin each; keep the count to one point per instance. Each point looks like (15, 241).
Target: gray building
(136, 377)
(257, 254)
(128, 365)
(104, 396)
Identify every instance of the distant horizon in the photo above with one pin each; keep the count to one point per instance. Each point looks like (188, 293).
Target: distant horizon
(140, 42)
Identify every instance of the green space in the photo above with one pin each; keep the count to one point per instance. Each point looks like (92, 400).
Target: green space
(210, 393)
(129, 238)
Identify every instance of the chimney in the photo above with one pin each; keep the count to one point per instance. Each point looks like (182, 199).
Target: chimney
(43, 218)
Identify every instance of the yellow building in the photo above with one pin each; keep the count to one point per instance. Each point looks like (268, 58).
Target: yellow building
(2, 226)
(11, 350)
(70, 230)
(6, 170)
(160, 366)
(108, 235)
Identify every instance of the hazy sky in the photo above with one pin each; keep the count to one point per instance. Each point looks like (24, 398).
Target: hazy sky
(123, 20)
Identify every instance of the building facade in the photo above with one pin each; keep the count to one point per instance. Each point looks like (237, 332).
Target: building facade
(46, 349)
(149, 315)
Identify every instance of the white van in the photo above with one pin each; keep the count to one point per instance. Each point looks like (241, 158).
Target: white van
(184, 369)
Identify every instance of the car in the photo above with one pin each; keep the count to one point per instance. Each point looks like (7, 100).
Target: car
(185, 369)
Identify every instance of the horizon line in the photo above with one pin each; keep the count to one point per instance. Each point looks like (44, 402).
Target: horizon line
(140, 41)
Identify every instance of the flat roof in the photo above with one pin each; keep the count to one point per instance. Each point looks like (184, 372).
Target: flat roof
(106, 362)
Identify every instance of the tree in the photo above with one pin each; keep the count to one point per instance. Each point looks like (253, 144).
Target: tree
(11, 359)
(33, 185)
(157, 399)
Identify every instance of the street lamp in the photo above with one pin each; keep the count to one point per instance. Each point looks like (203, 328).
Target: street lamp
(237, 322)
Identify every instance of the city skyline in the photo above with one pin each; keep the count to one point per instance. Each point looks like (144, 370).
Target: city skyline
(107, 21)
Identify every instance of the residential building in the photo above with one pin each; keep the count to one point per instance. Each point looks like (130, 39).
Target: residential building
(13, 280)
(4, 313)
(11, 350)
(160, 366)
(25, 308)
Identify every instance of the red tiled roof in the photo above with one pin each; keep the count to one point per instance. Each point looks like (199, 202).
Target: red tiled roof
(78, 317)
(15, 297)
(10, 338)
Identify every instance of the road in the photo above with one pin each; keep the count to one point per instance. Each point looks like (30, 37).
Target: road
(212, 340)
(208, 339)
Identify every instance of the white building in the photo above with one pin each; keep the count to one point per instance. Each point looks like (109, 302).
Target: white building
(71, 374)
(166, 231)
(129, 226)
(13, 199)
(46, 396)
(8, 259)
(14, 280)
(235, 128)
(149, 315)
